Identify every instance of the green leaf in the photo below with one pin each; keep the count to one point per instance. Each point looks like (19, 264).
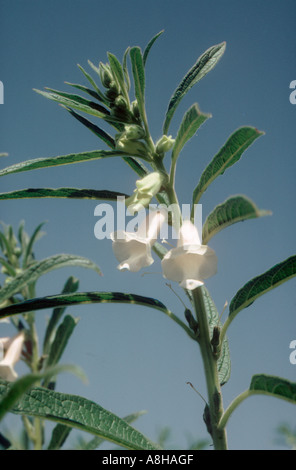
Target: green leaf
(234, 209)
(61, 339)
(118, 74)
(262, 284)
(58, 436)
(42, 267)
(104, 136)
(204, 64)
(149, 45)
(274, 386)
(229, 154)
(70, 286)
(192, 120)
(38, 163)
(139, 78)
(80, 413)
(10, 393)
(223, 363)
(64, 300)
(99, 93)
(69, 193)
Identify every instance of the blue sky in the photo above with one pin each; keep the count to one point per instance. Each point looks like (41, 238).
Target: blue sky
(136, 358)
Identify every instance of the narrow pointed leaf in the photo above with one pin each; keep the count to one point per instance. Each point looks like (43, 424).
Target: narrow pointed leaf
(223, 363)
(42, 267)
(85, 89)
(38, 163)
(204, 64)
(28, 251)
(192, 120)
(149, 45)
(58, 436)
(118, 74)
(70, 286)
(234, 209)
(274, 386)
(93, 83)
(103, 135)
(262, 284)
(80, 413)
(69, 193)
(139, 78)
(61, 339)
(229, 154)
(64, 300)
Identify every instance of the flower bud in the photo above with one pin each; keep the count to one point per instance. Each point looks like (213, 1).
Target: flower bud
(132, 147)
(146, 188)
(164, 144)
(134, 132)
(121, 103)
(135, 109)
(105, 74)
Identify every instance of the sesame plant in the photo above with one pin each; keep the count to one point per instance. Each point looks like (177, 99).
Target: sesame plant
(186, 259)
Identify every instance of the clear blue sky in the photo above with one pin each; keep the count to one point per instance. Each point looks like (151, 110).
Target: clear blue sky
(136, 358)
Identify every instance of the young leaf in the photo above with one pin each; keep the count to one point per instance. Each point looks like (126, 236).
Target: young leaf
(275, 386)
(149, 45)
(70, 286)
(262, 284)
(42, 267)
(204, 64)
(79, 298)
(192, 120)
(59, 436)
(61, 339)
(69, 193)
(139, 78)
(234, 209)
(118, 74)
(223, 363)
(229, 154)
(80, 413)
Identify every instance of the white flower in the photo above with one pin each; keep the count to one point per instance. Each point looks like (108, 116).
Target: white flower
(133, 249)
(190, 262)
(10, 351)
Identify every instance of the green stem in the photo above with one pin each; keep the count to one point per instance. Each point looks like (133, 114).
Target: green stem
(233, 405)
(215, 406)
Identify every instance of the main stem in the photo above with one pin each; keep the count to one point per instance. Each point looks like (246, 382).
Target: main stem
(214, 409)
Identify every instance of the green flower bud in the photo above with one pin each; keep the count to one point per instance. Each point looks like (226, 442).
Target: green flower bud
(105, 74)
(134, 132)
(146, 188)
(132, 147)
(164, 144)
(135, 109)
(120, 102)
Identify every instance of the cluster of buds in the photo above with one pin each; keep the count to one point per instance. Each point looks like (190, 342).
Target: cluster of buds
(117, 98)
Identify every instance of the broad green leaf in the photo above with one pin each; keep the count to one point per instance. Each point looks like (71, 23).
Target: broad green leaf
(234, 209)
(275, 386)
(80, 413)
(139, 78)
(223, 363)
(61, 339)
(64, 300)
(204, 64)
(69, 193)
(229, 154)
(42, 267)
(149, 45)
(10, 393)
(192, 120)
(71, 285)
(97, 441)
(38, 163)
(262, 284)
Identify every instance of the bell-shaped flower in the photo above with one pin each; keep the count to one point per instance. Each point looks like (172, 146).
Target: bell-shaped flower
(146, 188)
(133, 249)
(10, 352)
(190, 262)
